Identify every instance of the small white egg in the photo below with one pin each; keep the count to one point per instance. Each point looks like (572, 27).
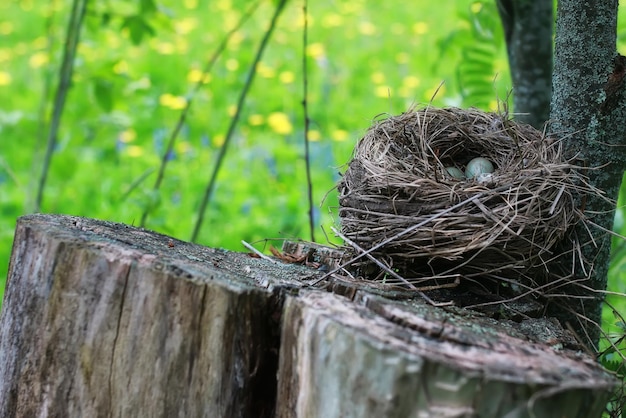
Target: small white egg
(478, 166)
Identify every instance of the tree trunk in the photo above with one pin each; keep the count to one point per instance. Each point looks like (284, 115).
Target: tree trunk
(528, 28)
(102, 319)
(589, 112)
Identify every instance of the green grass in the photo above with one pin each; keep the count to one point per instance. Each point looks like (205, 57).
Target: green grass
(366, 58)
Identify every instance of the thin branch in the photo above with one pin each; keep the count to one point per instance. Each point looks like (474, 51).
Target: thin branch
(136, 183)
(305, 105)
(65, 80)
(372, 258)
(257, 252)
(183, 115)
(419, 290)
(404, 232)
(233, 122)
(46, 92)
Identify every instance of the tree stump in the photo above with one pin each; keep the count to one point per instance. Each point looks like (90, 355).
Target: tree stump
(103, 319)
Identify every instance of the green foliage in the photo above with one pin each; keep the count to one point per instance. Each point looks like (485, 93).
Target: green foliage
(138, 28)
(126, 99)
(479, 42)
(612, 357)
(103, 92)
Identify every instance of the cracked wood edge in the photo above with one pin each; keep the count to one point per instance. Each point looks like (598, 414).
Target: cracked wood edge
(344, 360)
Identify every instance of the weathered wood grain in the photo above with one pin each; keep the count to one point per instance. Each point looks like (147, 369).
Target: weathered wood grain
(102, 319)
(390, 359)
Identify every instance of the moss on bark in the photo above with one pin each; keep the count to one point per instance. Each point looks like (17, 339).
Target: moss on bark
(589, 111)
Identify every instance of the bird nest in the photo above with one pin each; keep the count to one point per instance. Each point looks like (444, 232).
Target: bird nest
(403, 200)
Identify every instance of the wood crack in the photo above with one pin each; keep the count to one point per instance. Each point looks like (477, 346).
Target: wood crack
(115, 339)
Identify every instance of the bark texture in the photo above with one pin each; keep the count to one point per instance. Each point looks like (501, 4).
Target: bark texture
(528, 28)
(101, 319)
(589, 112)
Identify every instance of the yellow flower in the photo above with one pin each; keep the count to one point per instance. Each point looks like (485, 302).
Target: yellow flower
(235, 41)
(405, 92)
(218, 140)
(265, 70)
(224, 5)
(350, 7)
(120, 67)
(182, 147)
(134, 151)
(383, 91)
(315, 50)
(172, 102)
(402, 57)
(279, 123)
(476, 7)
(191, 4)
(113, 40)
(193, 76)
(232, 109)
(332, 20)
(314, 135)
(377, 77)
(286, 77)
(5, 78)
(141, 84)
(165, 48)
(440, 90)
(255, 120)
(339, 135)
(232, 64)
(38, 59)
(411, 81)
(300, 21)
(129, 135)
(367, 28)
(420, 28)
(184, 26)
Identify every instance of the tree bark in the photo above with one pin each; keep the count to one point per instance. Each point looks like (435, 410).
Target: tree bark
(589, 113)
(102, 319)
(528, 28)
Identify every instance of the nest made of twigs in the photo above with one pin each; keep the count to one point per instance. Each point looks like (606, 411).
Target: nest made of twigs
(398, 197)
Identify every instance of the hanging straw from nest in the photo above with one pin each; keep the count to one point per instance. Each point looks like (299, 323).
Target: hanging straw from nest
(501, 224)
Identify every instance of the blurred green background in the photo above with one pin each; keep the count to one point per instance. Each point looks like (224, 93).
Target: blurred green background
(139, 60)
